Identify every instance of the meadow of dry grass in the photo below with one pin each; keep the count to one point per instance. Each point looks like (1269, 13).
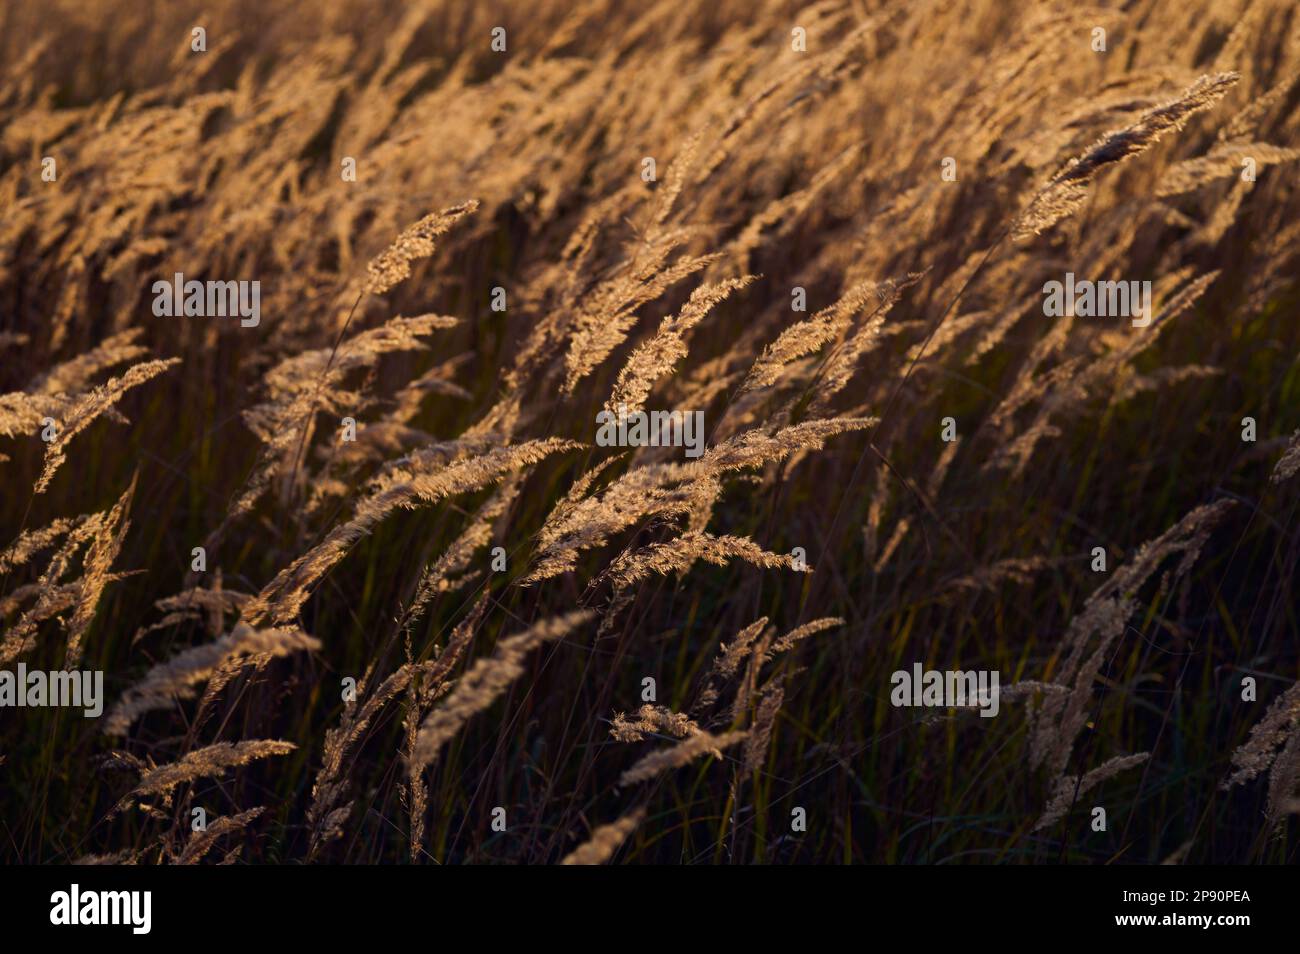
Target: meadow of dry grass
(475, 634)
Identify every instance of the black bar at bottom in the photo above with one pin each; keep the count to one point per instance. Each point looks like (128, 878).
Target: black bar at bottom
(335, 904)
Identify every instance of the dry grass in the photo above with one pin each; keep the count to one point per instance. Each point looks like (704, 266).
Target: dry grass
(490, 593)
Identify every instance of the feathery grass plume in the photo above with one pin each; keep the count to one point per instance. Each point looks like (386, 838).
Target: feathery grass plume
(805, 337)
(728, 661)
(1068, 789)
(1284, 783)
(438, 577)
(577, 492)
(437, 380)
(802, 632)
(618, 601)
(52, 394)
(1267, 737)
(201, 842)
(605, 840)
(340, 464)
(997, 331)
(782, 214)
(652, 719)
(52, 595)
(414, 792)
(1130, 384)
(88, 407)
(1223, 217)
(950, 331)
(104, 547)
(31, 542)
(657, 357)
(675, 181)
(74, 376)
(1067, 190)
(22, 413)
(194, 604)
(570, 282)
(679, 555)
(756, 447)
(212, 760)
(1066, 387)
(1016, 569)
(760, 733)
(1119, 360)
(1104, 619)
(609, 310)
(225, 672)
(281, 599)
(17, 598)
(1250, 120)
(421, 693)
(430, 458)
(324, 818)
(20, 638)
(312, 382)
(125, 857)
(656, 763)
(485, 681)
(1221, 162)
(730, 657)
(843, 362)
(761, 105)
(178, 677)
(393, 264)
(1246, 27)
(749, 681)
(574, 526)
(1288, 464)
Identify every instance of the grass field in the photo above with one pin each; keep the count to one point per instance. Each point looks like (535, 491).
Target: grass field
(363, 581)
